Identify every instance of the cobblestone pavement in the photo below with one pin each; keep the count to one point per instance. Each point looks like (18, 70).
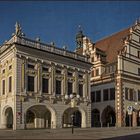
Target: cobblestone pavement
(87, 133)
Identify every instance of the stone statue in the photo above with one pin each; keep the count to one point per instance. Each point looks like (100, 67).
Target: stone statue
(18, 30)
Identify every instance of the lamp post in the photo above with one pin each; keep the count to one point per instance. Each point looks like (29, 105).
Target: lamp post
(73, 100)
(72, 123)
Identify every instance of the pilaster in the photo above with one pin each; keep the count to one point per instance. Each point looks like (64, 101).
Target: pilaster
(64, 83)
(53, 79)
(75, 84)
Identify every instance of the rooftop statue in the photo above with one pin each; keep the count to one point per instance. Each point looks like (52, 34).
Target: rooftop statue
(18, 30)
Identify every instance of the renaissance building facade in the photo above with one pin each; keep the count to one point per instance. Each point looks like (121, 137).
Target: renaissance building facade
(42, 86)
(115, 77)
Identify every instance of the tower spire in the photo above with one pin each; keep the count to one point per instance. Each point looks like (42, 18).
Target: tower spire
(79, 37)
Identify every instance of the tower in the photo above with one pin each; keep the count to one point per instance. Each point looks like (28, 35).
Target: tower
(79, 38)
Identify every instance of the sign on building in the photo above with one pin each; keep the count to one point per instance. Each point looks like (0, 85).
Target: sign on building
(130, 110)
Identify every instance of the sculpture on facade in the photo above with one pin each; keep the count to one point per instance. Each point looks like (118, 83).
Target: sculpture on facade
(18, 30)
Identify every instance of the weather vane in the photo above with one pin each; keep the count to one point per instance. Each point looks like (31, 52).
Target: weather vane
(79, 27)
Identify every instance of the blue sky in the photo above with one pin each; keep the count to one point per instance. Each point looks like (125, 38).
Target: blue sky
(58, 21)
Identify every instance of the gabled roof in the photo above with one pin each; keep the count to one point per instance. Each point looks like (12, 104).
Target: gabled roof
(112, 44)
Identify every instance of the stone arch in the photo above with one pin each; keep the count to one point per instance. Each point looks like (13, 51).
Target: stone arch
(75, 111)
(108, 116)
(84, 117)
(7, 117)
(47, 107)
(95, 118)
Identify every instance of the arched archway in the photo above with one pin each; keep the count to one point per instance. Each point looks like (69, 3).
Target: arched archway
(30, 119)
(38, 116)
(79, 119)
(67, 120)
(7, 120)
(95, 118)
(108, 117)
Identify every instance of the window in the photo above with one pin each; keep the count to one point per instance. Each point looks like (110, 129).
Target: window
(97, 72)
(138, 54)
(92, 59)
(58, 71)
(112, 68)
(112, 93)
(92, 74)
(138, 95)
(30, 83)
(58, 87)
(45, 85)
(106, 69)
(81, 90)
(30, 66)
(105, 94)
(139, 71)
(98, 96)
(3, 71)
(126, 93)
(80, 76)
(44, 69)
(92, 97)
(10, 84)
(69, 88)
(10, 67)
(3, 87)
(131, 94)
(69, 73)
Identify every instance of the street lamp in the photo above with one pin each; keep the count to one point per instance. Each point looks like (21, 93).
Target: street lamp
(73, 100)
(72, 123)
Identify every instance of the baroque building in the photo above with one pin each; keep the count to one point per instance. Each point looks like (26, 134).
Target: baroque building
(115, 77)
(42, 86)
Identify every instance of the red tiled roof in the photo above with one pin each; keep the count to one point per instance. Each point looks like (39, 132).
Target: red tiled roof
(112, 44)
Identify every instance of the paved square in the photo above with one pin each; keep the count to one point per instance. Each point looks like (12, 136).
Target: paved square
(91, 133)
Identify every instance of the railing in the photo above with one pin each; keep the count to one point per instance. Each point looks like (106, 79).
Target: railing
(46, 47)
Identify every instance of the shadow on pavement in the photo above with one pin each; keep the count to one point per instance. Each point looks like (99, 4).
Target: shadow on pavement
(128, 137)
